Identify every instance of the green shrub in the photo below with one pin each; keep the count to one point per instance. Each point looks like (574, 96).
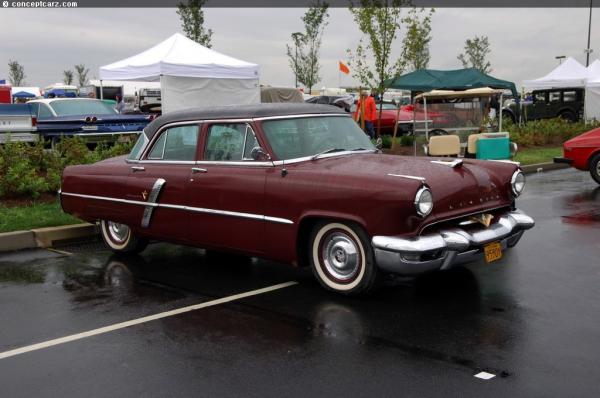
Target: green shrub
(547, 131)
(28, 170)
(407, 140)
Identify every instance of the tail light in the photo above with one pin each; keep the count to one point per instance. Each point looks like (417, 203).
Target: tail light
(94, 119)
(88, 119)
(34, 121)
(151, 117)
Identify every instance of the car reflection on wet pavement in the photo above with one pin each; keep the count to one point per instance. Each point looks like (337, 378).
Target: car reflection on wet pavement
(531, 320)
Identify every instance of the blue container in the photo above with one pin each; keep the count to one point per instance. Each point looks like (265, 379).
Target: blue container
(493, 148)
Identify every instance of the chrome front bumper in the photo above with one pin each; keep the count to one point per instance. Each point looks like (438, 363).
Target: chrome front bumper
(446, 248)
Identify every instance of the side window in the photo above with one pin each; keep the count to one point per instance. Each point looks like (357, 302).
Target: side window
(555, 96)
(539, 97)
(44, 111)
(569, 96)
(176, 143)
(229, 142)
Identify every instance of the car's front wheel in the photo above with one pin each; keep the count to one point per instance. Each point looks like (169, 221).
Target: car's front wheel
(119, 238)
(595, 167)
(342, 258)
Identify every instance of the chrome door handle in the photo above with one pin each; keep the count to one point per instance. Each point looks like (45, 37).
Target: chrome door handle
(198, 170)
(137, 168)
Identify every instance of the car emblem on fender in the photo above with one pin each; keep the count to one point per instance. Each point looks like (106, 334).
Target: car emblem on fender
(145, 194)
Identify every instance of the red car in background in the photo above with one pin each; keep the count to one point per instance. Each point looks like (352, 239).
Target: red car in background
(583, 153)
(389, 113)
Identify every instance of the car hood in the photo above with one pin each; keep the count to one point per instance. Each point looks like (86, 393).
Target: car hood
(591, 137)
(471, 187)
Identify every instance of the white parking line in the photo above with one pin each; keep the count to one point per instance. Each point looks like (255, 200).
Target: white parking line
(122, 325)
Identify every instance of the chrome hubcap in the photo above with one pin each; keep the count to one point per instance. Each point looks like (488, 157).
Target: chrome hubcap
(118, 232)
(598, 168)
(340, 256)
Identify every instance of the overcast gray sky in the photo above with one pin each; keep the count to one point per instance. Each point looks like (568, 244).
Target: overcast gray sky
(524, 41)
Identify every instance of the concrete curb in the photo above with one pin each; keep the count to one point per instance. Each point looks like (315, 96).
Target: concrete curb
(45, 237)
(539, 167)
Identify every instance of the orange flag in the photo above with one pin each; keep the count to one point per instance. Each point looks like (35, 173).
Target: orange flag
(344, 68)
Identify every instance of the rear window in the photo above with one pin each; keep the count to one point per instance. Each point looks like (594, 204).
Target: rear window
(81, 107)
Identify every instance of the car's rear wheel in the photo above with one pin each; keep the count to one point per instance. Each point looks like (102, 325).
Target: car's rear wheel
(568, 116)
(119, 238)
(595, 167)
(342, 258)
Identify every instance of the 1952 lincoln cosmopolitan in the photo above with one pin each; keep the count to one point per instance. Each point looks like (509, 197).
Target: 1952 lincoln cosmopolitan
(302, 184)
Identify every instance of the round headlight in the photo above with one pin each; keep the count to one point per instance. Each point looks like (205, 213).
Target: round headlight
(517, 183)
(423, 202)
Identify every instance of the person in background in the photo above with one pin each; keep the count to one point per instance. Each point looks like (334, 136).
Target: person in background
(370, 112)
(120, 104)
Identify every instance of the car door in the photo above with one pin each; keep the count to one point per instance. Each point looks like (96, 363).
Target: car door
(537, 110)
(226, 190)
(161, 178)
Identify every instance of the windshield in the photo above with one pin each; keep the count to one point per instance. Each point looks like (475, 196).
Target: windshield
(308, 136)
(81, 107)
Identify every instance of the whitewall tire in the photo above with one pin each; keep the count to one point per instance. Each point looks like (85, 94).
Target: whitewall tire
(342, 259)
(120, 239)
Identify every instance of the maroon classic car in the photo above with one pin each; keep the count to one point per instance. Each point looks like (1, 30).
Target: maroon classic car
(302, 184)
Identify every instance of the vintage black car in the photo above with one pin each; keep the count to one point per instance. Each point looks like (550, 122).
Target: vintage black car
(567, 103)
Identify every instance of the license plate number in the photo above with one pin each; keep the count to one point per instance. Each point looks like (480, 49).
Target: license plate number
(492, 251)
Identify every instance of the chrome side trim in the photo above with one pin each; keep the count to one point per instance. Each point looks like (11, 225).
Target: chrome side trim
(152, 198)
(104, 134)
(251, 163)
(422, 179)
(186, 208)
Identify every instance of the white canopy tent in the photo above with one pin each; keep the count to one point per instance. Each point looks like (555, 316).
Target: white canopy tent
(569, 73)
(592, 91)
(190, 75)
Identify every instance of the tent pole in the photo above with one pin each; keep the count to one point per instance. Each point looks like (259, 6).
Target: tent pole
(500, 115)
(425, 114)
(101, 90)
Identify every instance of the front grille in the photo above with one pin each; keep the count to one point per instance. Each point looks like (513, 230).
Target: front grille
(465, 220)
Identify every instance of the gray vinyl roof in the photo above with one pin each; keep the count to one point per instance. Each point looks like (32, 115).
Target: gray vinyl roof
(240, 112)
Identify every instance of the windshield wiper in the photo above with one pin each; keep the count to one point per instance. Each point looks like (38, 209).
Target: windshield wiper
(362, 149)
(330, 150)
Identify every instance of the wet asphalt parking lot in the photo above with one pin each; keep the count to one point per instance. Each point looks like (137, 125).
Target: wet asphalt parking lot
(74, 325)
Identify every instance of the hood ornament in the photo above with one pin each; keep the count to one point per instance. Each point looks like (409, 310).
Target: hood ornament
(484, 218)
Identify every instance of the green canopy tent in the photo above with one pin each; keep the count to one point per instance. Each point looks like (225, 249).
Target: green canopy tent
(423, 80)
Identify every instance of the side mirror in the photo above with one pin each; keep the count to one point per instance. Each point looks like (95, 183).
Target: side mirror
(259, 154)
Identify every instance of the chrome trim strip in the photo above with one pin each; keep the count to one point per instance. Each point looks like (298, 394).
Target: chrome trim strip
(452, 163)
(103, 134)
(156, 161)
(152, 198)
(302, 116)
(505, 161)
(422, 179)
(234, 163)
(187, 208)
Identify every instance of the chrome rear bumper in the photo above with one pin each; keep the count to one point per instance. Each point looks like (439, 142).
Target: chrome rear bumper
(449, 247)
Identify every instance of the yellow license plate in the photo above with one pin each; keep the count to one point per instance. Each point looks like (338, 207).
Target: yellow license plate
(492, 251)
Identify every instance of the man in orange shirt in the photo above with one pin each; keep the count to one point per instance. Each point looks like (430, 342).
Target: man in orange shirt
(370, 112)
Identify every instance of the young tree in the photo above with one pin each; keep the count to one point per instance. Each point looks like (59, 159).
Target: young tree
(68, 77)
(476, 53)
(415, 45)
(304, 55)
(16, 73)
(192, 22)
(380, 21)
(82, 74)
